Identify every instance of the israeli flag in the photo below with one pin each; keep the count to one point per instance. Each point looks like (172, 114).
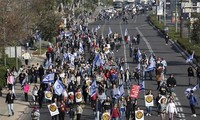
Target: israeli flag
(49, 78)
(38, 35)
(97, 28)
(142, 85)
(153, 61)
(126, 32)
(116, 93)
(65, 55)
(139, 66)
(81, 47)
(102, 61)
(58, 87)
(121, 90)
(48, 63)
(139, 55)
(189, 60)
(109, 31)
(93, 88)
(150, 67)
(187, 91)
(92, 31)
(196, 87)
(97, 60)
(80, 27)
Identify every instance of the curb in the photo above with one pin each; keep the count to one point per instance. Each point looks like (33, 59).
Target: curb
(182, 51)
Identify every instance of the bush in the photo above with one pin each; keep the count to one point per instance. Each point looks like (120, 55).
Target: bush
(10, 63)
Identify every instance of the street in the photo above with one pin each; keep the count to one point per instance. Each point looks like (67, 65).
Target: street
(151, 42)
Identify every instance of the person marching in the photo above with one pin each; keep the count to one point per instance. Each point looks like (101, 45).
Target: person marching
(10, 100)
(35, 114)
(190, 74)
(193, 102)
(171, 109)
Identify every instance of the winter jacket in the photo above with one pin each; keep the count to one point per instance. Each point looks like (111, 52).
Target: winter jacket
(192, 100)
(10, 98)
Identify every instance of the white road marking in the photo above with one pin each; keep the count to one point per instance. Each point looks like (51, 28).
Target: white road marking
(180, 115)
(135, 19)
(145, 40)
(124, 45)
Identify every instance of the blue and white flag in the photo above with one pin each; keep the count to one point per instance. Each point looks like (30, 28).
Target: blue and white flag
(81, 47)
(139, 54)
(38, 35)
(189, 60)
(116, 93)
(97, 28)
(92, 31)
(97, 60)
(80, 27)
(65, 55)
(152, 64)
(109, 31)
(121, 90)
(93, 87)
(48, 63)
(187, 91)
(196, 87)
(58, 87)
(139, 66)
(142, 85)
(126, 32)
(49, 78)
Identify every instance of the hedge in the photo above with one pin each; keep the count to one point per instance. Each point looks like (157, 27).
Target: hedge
(10, 63)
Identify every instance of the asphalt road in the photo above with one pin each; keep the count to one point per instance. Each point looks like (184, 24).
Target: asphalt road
(151, 41)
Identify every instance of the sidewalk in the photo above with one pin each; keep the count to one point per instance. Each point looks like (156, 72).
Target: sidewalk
(20, 106)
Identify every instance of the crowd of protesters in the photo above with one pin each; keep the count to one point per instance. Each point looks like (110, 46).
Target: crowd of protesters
(83, 62)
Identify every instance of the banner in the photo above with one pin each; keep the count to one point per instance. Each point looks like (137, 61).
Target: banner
(106, 116)
(78, 97)
(139, 115)
(48, 95)
(135, 91)
(53, 109)
(149, 100)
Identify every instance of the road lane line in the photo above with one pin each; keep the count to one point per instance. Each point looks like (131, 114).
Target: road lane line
(135, 19)
(124, 45)
(151, 51)
(145, 40)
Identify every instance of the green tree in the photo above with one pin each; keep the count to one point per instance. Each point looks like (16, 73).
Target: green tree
(45, 17)
(195, 36)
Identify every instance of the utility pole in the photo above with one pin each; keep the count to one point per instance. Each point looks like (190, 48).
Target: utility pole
(181, 21)
(176, 23)
(164, 12)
